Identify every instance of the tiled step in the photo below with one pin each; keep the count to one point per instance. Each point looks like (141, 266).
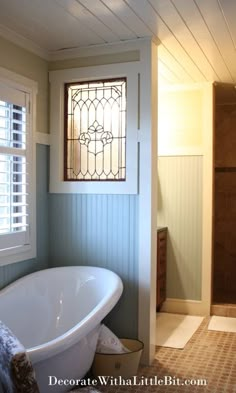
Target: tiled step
(224, 310)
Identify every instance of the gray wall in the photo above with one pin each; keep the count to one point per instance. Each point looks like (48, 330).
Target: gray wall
(22, 62)
(11, 272)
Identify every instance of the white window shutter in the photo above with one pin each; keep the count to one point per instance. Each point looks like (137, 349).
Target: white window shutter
(14, 205)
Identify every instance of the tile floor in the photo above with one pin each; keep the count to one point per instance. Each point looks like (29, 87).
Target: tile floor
(208, 355)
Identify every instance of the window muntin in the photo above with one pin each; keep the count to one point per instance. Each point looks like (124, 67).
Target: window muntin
(95, 130)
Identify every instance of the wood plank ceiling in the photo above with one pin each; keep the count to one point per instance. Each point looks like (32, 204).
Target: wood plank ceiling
(198, 37)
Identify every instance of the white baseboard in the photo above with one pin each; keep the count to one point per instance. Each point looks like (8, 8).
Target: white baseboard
(181, 306)
(42, 138)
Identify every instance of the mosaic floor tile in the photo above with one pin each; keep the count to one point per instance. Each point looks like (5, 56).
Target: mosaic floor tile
(209, 356)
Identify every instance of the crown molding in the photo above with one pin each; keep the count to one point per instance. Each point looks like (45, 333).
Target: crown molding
(99, 49)
(70, 53)
(23, 42)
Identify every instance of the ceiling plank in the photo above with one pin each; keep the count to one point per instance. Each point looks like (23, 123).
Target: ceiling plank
(214, 17)
(193, 19)
(104, 14)
(168, 13)
(62, 29)
(85, 17)
(160, 30)
(228, 9)
(167, 74)
(176, 68)
(128, 17)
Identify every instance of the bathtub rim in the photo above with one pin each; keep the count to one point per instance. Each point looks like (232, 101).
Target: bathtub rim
(81, 329)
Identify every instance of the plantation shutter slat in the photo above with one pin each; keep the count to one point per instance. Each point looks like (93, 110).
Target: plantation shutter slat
(14, 205)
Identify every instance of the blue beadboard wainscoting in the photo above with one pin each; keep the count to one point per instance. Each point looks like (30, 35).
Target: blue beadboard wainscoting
(100, 230)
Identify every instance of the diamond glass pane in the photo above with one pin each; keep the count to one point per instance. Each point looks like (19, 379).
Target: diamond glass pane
(95, 130)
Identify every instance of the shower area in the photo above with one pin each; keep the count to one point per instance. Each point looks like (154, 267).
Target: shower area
(224, 196)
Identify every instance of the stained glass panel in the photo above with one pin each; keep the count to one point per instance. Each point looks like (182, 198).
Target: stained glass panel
(95, 130)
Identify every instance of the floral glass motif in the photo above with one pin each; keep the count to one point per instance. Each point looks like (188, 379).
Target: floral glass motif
(95, 130)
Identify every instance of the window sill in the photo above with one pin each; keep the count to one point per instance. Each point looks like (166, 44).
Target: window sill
(16, 255)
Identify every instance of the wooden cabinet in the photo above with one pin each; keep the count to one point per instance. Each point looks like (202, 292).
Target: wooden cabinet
(161, 266)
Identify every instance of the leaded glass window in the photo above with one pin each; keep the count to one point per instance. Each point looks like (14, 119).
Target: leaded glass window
(95, 130)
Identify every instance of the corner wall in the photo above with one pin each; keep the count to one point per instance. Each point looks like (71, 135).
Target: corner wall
(185, 195)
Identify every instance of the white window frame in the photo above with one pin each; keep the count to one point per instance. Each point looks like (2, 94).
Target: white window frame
(57, 81)
(28, 86)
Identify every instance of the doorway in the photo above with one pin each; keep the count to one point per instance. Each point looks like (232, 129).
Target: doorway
(224, 195)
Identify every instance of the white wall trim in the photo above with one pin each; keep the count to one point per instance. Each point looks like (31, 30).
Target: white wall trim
(148, 200)
(17, 81)
(207, 213)
(182, 306)
(98, 50)
(23, 42)
(42, 138)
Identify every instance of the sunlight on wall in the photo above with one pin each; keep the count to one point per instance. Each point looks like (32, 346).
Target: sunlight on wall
(179, 121)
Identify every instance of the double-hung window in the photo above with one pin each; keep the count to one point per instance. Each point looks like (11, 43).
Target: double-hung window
(17, 232)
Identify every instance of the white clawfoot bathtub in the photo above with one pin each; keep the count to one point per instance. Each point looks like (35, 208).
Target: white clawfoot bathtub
(56, 314)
